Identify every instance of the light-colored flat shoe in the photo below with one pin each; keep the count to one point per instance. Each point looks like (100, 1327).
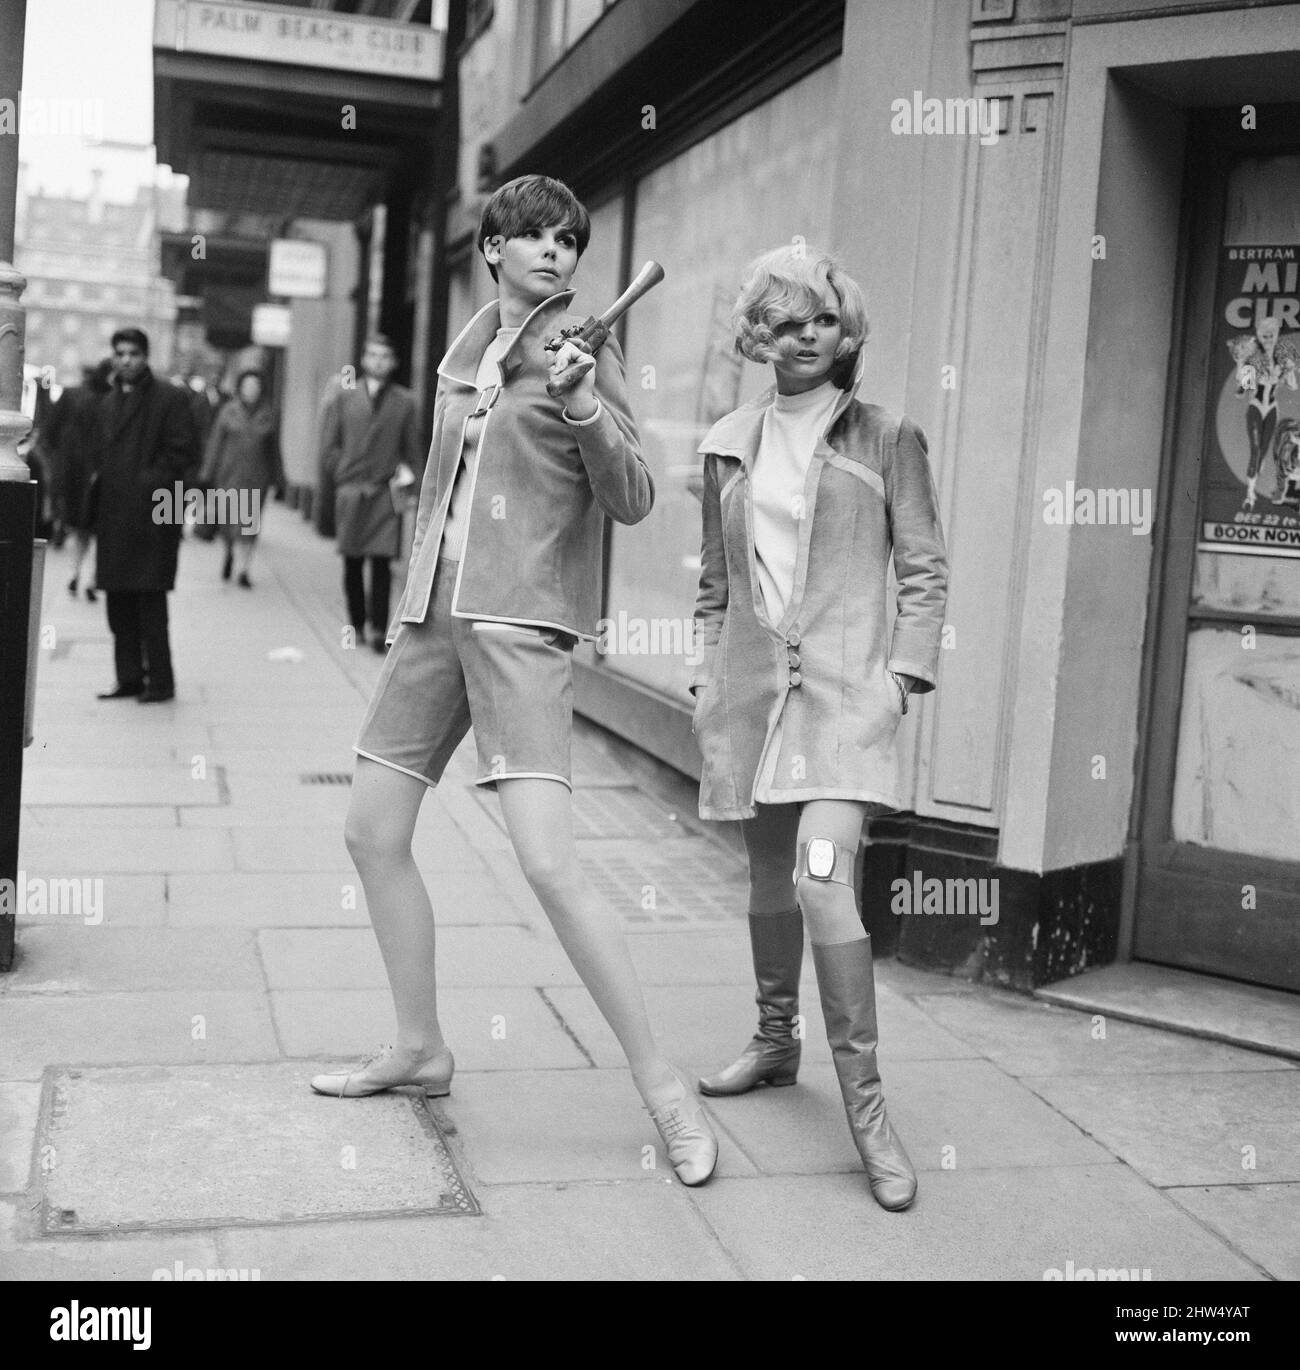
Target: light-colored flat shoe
(377, 1073)
(690, 1141)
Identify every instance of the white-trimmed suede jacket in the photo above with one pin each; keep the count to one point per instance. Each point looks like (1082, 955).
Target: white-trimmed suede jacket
(542, 487)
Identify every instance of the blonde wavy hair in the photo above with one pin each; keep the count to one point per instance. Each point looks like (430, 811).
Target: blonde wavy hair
(786, 285)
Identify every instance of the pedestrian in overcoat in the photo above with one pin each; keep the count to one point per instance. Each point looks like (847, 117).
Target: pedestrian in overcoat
(240, 465)
(146, 449)
(72, 434)
(369, 432)
(809, 494)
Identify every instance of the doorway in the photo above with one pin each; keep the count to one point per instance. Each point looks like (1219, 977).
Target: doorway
(1218, 819)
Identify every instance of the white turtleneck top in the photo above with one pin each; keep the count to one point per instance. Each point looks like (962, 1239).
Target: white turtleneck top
(791, 427)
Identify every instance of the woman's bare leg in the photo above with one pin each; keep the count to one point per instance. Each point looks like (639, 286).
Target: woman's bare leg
(380, 825)
(540, 823)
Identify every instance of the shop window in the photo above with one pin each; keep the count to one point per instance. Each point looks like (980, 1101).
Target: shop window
(754, 184)
(582, 15)
(560, 24)
(478, 18)
(596, 282)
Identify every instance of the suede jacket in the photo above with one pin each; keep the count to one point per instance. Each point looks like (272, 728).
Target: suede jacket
(542, 487)
(806, 708)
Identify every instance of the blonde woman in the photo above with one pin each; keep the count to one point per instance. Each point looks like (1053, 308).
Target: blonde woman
(808, 492)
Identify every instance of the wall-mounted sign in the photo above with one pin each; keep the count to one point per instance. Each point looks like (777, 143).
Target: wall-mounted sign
(271, 325)
(297, 268)
(1250, 478)
(300, 37)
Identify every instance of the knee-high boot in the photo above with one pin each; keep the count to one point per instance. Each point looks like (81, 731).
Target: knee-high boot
(772, 1057)
(846, 982)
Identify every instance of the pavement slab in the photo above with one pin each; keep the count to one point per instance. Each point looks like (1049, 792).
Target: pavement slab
(216, 1145)
(119, 788)
(530, 1126)
(1222, 1010)
(1025, 1037)
(19, 1108)
(128, 850)
(707, 1026)
(998, 1224)
(1259, 1220)
(116, 901)
(487, 1029)
(346, 958)
(111, 1029)
(282, 761)
(67, 817)
(290, 899)
(561, 1231)
(93, 749)
(1189, 1128)
(699, 958)
(139, 1257)
(95, 960)
(960, 1113)
(243, 899)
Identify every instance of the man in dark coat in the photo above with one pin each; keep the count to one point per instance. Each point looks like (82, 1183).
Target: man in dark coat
(368, 432)
(147, 449)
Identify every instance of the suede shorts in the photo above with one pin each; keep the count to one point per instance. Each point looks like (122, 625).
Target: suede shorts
(511, 682)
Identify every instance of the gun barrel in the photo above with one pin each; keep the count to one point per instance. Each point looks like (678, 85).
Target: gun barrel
(594, 332)
(645, 280)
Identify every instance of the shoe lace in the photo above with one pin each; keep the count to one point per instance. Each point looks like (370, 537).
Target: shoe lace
(672, 1122)
(377, 1055)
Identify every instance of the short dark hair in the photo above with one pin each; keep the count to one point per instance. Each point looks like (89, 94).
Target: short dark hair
(135, 336)
(381, 340)
(533, 202)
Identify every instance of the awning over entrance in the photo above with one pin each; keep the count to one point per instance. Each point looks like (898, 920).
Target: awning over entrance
(290, 110)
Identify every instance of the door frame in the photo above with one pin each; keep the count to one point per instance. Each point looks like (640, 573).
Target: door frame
(1178, 890)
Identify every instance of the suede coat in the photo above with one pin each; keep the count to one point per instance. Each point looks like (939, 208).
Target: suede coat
(805, 708)
(542, 487)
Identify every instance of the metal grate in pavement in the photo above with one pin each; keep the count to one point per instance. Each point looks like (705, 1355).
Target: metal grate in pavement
(682, 883)
(607, 811)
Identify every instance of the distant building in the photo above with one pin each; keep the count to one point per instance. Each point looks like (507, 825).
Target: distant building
(317, 137)
(92, 266)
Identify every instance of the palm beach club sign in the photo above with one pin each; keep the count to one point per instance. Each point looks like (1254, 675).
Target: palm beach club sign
(300, 37)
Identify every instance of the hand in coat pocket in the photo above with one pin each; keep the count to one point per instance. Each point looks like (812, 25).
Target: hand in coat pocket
(700, 691)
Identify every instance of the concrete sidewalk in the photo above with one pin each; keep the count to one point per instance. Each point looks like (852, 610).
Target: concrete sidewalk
(154, 1110)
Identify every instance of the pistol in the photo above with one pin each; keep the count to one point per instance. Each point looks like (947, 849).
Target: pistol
(593, 334)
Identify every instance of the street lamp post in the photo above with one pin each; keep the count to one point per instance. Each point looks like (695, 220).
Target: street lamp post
(17, 489)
